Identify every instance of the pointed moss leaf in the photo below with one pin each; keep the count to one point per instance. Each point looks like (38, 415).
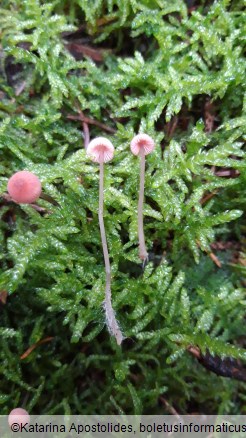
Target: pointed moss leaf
(136, 400)
(173, 106)
(205, 322)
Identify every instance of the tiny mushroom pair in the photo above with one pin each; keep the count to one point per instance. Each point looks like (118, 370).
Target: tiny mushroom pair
(25, 187)
(101, 150)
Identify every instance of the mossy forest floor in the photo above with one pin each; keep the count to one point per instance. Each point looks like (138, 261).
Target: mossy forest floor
(74, 70)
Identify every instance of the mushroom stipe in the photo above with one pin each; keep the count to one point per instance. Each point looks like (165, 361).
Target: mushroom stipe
(101, 150)
(142, 144)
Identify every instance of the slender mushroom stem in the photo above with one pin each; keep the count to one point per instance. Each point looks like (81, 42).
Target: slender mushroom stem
(112, 324)
(142, 247)
(142, 144)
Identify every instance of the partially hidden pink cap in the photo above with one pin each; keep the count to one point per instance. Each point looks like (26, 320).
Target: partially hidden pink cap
(19, 416)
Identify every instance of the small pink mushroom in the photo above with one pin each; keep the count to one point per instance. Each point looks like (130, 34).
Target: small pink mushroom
(142, 144)
(24, 187)
(101, 150)
(19, 416)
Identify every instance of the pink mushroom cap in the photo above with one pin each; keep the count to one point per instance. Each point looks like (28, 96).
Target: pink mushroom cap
(100, 149)
(142, 141)
(19, 416)
(24, 187)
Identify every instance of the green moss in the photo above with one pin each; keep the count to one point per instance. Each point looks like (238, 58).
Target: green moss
(161, 65)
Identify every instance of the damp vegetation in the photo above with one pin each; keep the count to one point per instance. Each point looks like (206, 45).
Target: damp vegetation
(74, 70)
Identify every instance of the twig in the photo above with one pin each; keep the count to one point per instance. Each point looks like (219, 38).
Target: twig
(211, 255)
(3, 296)
(36, 207)
(85, 128)
(75, 49)
(49, 199)
(195, 351)
(232, 173)
(207, 197)
(91, 121)
(105, 20)
(215, 259)
(169, 407)
(32, 347)
(209, 116)
(172, 125)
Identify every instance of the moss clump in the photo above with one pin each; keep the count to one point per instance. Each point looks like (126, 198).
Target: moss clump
(177, 73)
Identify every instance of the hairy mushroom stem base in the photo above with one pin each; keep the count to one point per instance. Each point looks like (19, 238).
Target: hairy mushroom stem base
(112, 324)
(143, 255)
